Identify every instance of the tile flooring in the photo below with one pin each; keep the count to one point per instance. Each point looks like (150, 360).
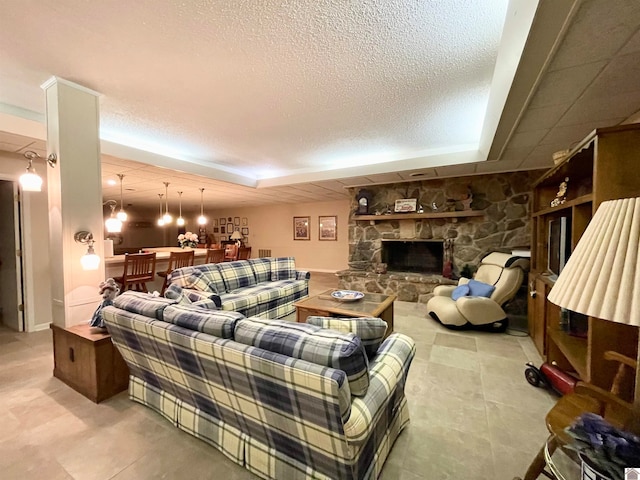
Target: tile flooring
(472, 414)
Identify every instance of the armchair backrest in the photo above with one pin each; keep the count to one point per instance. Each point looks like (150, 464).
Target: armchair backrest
(503, 271)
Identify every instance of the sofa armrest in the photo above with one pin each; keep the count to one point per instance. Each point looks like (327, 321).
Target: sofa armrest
(387, 373)
(302, 275)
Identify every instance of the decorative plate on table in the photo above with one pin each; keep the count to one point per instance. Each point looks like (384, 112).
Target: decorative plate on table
(347, 295)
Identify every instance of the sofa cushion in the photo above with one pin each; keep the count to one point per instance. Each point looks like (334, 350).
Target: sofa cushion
(283, 268)
(217, 323)
(189, 277)
(342, 351)
(480, 289)
(370, 330)
(236, 275)
(183, 296)
(143, 303)
(261, 269)
(212, 275)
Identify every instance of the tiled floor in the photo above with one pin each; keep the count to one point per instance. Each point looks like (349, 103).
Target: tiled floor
(472, 415)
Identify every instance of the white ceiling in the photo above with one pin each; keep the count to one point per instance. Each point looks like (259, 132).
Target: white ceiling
(290, 101)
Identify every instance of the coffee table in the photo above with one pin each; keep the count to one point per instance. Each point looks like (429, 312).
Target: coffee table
(324, 305)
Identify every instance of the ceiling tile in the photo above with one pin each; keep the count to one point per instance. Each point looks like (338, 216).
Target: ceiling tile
(565, 86)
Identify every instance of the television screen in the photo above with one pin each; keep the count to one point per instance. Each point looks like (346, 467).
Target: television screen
(559, 245)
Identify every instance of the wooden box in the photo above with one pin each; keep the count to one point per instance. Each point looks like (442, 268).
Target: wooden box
(86, 360)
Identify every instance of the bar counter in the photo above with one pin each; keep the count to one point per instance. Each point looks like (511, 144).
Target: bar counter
(114, 266)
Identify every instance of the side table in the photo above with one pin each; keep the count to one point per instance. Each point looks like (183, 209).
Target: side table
(86, 360)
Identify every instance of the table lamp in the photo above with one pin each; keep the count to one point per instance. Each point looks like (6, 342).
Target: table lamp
(237, 236)
(602, 277)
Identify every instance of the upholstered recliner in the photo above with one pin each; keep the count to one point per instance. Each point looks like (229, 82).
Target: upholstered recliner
(475, 303)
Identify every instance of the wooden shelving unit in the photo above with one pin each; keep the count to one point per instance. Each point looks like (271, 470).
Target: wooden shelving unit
(418, 216)
(603, 166)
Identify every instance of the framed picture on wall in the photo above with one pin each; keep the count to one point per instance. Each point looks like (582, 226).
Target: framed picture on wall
(223, 229)
(328, 227)
(245, 230)
(301, 228)
(245, 221)
(223, 221)
(215, 222)
(236, 221)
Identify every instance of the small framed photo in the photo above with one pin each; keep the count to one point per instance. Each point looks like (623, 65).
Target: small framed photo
(223, 229)
(236, 229)
(245, 221)
(215, 222)
(301, 228)
(404, 205)
(245, 230)
(223, 238)
(223, 221)
(328, 227)
(229, 219)
(236, 221)
(216, 230)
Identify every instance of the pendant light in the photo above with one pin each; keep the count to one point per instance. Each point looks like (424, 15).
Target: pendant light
(113, 223)
(122, 215)
(167, 216)
(160, 219)
(202, 220)
(180, 220)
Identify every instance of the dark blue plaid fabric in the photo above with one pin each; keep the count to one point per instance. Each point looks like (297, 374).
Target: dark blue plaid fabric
(217, 323)
(261, 269)
(236, 274)
(278, 416)
(283, 268)
(314, 344)
(185, 296)
(370, 330)
(143, 303)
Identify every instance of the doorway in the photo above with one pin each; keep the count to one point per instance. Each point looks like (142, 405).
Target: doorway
(11, 314)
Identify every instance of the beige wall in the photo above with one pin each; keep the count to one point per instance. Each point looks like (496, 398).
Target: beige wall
(271, 227)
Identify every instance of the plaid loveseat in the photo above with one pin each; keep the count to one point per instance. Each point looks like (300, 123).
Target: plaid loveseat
(261, 286)
(276, 397)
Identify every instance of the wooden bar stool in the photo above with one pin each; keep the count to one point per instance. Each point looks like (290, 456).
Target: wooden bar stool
(244, 253)
(139, 268)
(230, 252)
(214, 255)
(176, 260)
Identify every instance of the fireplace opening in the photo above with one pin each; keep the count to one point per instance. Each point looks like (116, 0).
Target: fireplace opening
(418, 256)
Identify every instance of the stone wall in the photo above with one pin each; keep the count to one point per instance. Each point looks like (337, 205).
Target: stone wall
(504, 198)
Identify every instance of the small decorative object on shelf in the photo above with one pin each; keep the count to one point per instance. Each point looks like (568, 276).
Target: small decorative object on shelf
(466, 202)
(561, 196)
(188, 240)
(364, 202)
(404, 205)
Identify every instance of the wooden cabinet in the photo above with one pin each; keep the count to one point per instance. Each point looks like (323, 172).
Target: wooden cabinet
(603, 166)
(86, 360)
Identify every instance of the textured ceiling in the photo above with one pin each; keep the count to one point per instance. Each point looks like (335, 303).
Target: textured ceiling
(295, 89)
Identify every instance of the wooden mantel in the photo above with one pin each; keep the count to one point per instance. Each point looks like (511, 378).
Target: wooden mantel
(419, 216)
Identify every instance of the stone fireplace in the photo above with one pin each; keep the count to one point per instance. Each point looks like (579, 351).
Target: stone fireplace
(416, 256)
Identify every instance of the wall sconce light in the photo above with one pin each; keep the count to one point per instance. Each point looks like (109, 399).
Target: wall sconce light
(90, 260)
(113, 223)
(31, 181)
(202, 220)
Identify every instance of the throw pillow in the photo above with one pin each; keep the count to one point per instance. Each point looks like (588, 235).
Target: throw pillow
(217, 323)
(480, 289)
(370, 330)
(174, 292)
(342, 351)
(460, 291)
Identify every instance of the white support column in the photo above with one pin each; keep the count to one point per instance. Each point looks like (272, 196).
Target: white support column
(75, 198)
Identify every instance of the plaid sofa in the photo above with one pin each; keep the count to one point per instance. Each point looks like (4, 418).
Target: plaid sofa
(272, 396)
(261, 286)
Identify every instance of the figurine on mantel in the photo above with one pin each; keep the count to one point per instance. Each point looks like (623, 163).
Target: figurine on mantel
(466, 202)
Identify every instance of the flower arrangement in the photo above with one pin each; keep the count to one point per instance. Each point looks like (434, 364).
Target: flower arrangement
(188, 240)
(607, 447)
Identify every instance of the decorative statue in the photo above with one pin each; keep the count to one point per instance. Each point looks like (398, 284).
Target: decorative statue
(561, 196)
(109, 290)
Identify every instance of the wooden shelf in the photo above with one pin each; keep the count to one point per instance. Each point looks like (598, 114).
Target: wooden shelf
(418, 216)
(573, 348)
(566, 205)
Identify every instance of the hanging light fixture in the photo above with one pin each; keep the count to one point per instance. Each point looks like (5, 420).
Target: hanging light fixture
(122, 215)
(167, 216)
(113, 223)
(31, 181)
(160, 218)
(180, 220)
(202, 220)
